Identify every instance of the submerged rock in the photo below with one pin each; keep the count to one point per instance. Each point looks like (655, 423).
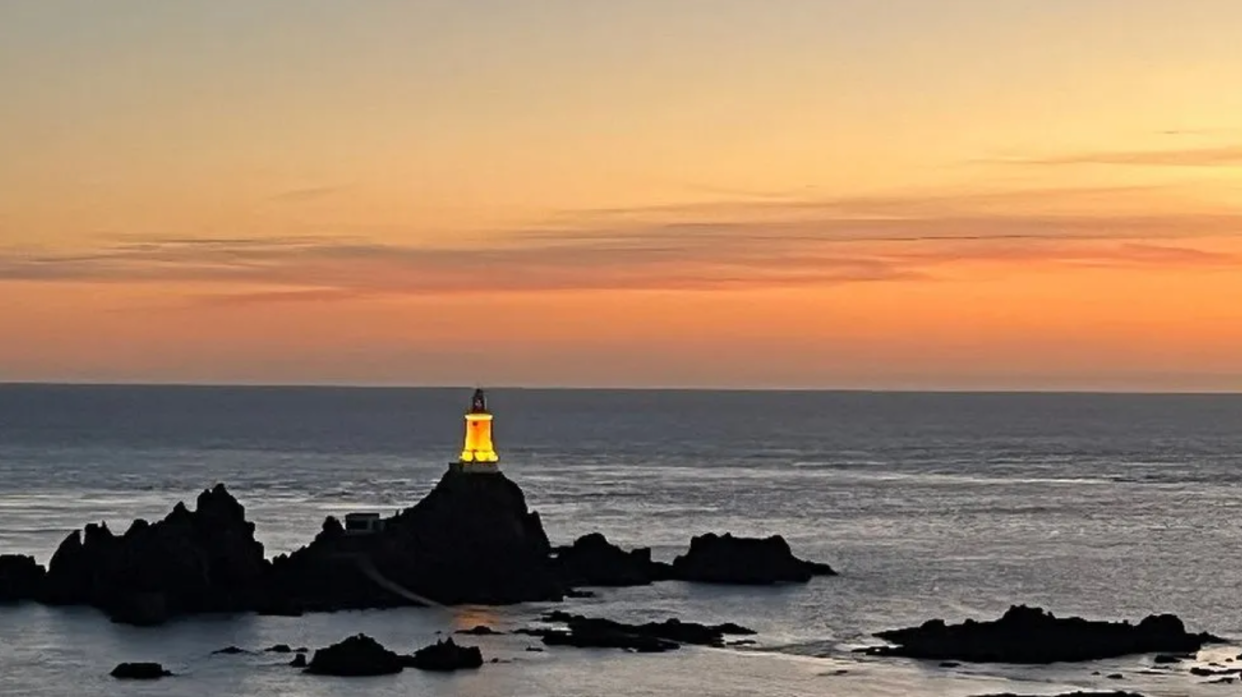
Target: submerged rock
(357, 656)
(299, 661)
(140, 671)
(745, 561)
(594, 561)
(652, 637)
(1073, 694)
(21, 578)
(230, 651)
(481, 630)
(471, 540)
(1033, 636)
(446, 656)
(206, 560)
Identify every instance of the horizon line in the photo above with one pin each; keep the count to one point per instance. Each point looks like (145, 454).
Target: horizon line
(580, 388)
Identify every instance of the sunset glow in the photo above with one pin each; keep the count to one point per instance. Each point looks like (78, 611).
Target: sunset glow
(962, 194)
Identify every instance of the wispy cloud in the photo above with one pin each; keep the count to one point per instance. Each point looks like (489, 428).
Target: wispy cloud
(309, 193)
(730, 246)
(1215, 156)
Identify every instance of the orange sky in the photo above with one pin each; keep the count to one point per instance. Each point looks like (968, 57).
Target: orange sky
(954, 195)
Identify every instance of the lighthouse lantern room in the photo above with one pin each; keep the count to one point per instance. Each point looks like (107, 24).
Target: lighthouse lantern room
(478, 454)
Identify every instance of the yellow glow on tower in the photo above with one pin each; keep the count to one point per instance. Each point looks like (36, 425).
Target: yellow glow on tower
(478, 447)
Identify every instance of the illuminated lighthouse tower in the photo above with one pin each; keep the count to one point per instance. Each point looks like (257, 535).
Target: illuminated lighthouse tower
(478, 454)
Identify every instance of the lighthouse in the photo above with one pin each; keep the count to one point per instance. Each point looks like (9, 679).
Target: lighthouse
(478, 455)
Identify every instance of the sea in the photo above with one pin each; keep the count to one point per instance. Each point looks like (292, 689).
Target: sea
(930, 505)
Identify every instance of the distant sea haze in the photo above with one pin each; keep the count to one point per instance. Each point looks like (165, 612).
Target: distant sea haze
(929, 504)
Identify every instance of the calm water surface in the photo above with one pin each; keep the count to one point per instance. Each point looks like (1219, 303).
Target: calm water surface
(929, 504)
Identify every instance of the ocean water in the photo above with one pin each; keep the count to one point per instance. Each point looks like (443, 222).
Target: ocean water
(930, 505)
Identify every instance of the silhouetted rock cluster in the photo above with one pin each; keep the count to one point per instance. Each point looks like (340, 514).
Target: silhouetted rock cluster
(205, 560)
(594, 561)
(361, 656)
(21, 578)
(652, 637)
(742, 560)
(471, 540)
(140, 671)
(1033, 636)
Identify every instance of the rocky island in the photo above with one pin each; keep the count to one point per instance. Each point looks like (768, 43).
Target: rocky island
(471, 540)
(1026, 635)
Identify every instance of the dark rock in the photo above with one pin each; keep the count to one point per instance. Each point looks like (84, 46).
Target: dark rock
(446, 656)
(471, 540)
(230, 651)
(580, 594)
(1207, 672)
(1222, 681)
(190, 562)
(357, 656)
(594, 561)
(1032, 636)
(533, 649)
(140, 671)
(742, 560)
(1164, 659)
(21, 578)
(1116, 676)
(589, 632)
(299, 661)
(279, 648)
(481, 630)
(950, 664)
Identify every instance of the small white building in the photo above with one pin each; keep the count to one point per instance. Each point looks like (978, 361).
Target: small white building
(363, 523)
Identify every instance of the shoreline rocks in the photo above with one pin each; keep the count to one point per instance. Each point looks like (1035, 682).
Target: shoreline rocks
(1026, 635)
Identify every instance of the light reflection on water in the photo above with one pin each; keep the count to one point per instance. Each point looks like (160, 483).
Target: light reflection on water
(930, 505)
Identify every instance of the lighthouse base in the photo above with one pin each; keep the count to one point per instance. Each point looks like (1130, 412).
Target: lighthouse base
(475, 467)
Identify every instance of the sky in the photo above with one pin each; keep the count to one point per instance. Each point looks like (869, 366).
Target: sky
(960, 194)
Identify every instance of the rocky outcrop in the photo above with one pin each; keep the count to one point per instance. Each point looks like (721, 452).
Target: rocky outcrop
(445, 657)
(1033, 636)
(21, 578)
(357, 656)
(206, 560)
(594, 561)
(471, 540)
(652, 637)
(140, 671)
(745, 561)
